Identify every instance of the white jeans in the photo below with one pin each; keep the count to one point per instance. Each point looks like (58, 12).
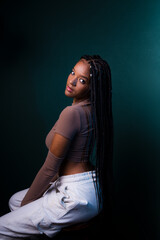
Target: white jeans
(70, 199)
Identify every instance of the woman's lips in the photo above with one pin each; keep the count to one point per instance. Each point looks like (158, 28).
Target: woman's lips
(69, 89)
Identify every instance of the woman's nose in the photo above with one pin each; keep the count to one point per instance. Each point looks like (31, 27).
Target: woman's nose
(73, 81)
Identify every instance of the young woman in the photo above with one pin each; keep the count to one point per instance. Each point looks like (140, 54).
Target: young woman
(75, 182)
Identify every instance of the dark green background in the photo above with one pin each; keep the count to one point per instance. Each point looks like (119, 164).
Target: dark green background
(40, 43)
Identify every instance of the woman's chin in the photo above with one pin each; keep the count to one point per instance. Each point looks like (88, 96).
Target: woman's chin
(68, 94)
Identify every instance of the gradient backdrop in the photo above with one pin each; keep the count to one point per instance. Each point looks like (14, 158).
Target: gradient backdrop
(40, 41)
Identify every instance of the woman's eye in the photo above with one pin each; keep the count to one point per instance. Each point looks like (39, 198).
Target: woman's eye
(82, 81)
(72, 72)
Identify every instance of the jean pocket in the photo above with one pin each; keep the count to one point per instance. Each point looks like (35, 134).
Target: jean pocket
(41, 221)
(65, 203)
(59, 208)
(59, 202)
(44, 224)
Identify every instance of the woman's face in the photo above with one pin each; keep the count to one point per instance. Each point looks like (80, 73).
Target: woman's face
(78, 82)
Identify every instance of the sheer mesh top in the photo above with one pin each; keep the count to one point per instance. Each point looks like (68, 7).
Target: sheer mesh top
(75, 123)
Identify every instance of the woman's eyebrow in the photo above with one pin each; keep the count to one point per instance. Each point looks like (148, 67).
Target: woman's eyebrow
(82, 75)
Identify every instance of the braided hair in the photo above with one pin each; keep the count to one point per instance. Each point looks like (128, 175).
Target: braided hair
(101, 109)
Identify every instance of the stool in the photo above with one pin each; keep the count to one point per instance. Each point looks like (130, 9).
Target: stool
(76, 231)
(76, 227)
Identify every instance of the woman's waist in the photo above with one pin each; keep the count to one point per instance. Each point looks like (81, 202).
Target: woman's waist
(70, 167)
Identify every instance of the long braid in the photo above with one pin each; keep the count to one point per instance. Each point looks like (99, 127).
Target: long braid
(101, 109)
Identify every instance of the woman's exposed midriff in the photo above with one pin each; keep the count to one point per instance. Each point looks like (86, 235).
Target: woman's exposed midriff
(69, 168)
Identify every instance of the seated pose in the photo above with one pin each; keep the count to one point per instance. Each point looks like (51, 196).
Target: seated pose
(75, 182)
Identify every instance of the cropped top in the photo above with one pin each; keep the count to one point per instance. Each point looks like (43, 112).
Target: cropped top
(75, 123)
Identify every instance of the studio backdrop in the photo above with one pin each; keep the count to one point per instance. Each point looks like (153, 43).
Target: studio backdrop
(40, 43)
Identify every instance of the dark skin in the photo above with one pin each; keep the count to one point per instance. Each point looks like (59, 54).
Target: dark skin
(79, 88)
(79, 81)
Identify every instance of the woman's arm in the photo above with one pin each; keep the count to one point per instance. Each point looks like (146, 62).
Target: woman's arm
(50, 168)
